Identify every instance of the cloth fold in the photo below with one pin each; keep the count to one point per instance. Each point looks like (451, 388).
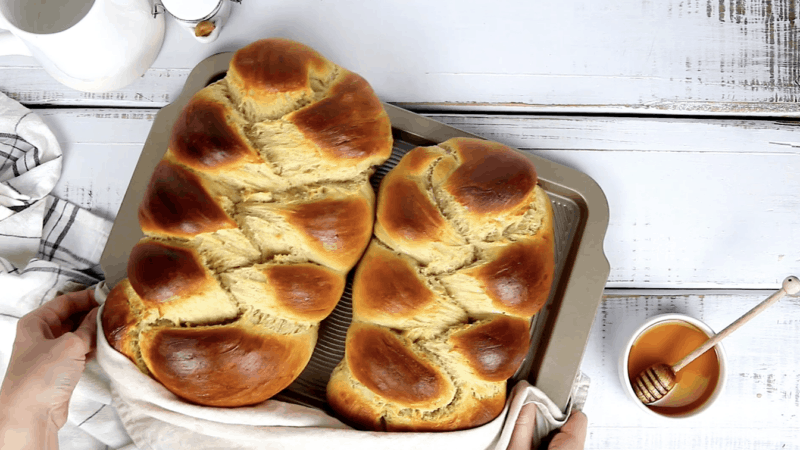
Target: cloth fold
(30, 166)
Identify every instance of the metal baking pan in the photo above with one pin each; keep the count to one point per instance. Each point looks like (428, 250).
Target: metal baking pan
(559, 332)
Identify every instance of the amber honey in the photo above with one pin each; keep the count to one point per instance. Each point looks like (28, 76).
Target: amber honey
(667, 342)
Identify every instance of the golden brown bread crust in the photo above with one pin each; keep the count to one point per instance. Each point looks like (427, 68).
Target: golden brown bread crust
(202, 137)
(461, 259)
(392, 292)
(329, 228)
(342, 125)
(489, 178)
(158, 271)
(275, 67)
(363, 409)
(390, 286)
(386, 365)
(119, 326)
(331, 108)
(407, 215)
(257, 211)
(335, 228)
(177, 204)
(225, 365)
(307, 291)
(410, 214)
(493, 350)
(518, 277)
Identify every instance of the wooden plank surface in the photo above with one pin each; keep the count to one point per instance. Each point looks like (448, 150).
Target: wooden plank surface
(693, 204)
(639, 56)
(760, 405)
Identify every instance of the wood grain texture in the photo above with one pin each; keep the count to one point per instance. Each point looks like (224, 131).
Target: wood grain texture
(760, 405)
(693, 204)
(101, 148)
(641, 56)
(31, 85)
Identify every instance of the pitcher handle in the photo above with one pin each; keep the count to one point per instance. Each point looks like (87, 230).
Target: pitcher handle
(12, 45)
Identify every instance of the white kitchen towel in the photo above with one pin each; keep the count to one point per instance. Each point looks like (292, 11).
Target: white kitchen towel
(47, 247)
(30, 165)
(156, 419)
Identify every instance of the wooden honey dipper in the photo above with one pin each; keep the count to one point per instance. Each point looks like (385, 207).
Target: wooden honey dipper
(653, 383)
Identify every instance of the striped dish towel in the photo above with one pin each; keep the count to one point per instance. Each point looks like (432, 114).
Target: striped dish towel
(47, 247)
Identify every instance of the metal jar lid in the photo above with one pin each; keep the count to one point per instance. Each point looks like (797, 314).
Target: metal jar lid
(192, 10)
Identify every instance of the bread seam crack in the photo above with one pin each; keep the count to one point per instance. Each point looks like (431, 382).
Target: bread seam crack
(273, 323)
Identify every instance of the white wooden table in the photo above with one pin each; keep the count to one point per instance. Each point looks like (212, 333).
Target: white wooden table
(684, 111)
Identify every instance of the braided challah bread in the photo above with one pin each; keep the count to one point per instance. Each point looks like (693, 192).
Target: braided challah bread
(462, 258)
(254, 216)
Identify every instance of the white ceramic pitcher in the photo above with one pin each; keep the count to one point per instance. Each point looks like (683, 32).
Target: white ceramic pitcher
(88, 45)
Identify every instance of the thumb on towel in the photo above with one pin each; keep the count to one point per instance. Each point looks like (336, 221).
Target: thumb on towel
(572, 435)
(522, 436)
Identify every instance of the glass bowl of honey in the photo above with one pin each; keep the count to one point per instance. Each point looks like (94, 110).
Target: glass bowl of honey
(667, 338)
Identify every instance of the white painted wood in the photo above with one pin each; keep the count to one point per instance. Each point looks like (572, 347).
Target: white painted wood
(693, 204)
(101, 148)
(742, 136)
(760, 405)
(31, 85)
(641, 56)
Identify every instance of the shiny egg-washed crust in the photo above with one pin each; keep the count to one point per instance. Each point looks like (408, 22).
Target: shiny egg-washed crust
(257, 211)
(461, 260)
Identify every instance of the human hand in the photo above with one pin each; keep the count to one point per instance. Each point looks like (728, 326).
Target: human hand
(571, 436)
(49, 355)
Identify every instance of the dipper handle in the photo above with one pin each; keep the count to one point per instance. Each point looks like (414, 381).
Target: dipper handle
(791, 286)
